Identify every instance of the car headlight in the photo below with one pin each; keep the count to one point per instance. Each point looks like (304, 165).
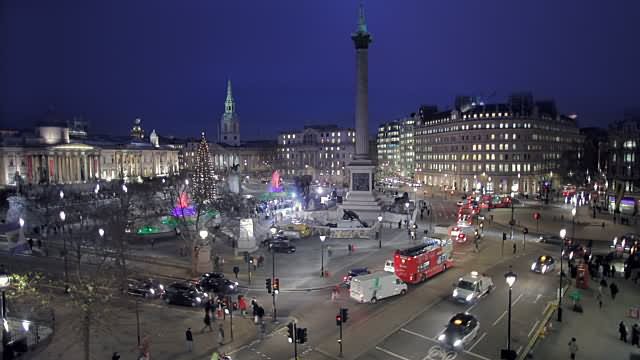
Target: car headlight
(235, 283)
(469, 297)
(544, 268)
(161, 287)
(205, 295)
(198, 299)
(152, 291)
(442, 337)
(457, 343)
(455, 292)
(231, 286)
(533, 266)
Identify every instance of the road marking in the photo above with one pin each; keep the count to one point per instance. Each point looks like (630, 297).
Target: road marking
(499, 318)
(472, 306)
(517, 299)
(391, 353)
(477, 341)
(533, 328)
(476, 355)
(537, 298)
(519, 349)
(418, 335)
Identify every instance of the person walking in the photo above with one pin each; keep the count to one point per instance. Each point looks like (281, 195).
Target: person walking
(600, 270)
(242, 305)
(622, 329)
(612, 271)
(635, 335)
(189, 338)
(599, 298)
(573, 348)
(236, 270)
(614, 290)
(115, 356)
(220, 334)
(514, 247)
(207, 322)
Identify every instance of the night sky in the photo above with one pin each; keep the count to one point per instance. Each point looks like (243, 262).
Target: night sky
(292, 62)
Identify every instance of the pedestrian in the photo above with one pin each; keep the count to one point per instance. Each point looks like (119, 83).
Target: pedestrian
(220, 335)
(115, 356)
(207, 322)
(153, 242)
(400, 224)
(600, 270)
(349, 249)
(189, 337)
(260, 261)
(39, 243)
(612, 271)
(30, 241)
(329, 252)
(514, 247)
(573, 348)
(622, 329)
(215, 356)
(242, 305)
(635, 335)
(599, 298)
(207, 306)
(614, 290)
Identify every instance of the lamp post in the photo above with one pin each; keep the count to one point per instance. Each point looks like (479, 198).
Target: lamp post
(406, 205)
(380, 232)
(573, 224)
(322, 239)
(563, 233)
(5, 281)
(229, 310)
(510, 277)
(63, 216)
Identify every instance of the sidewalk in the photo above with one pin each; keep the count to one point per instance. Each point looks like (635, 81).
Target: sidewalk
(596, 330)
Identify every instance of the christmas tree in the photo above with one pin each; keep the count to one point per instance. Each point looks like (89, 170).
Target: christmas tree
(204, 186)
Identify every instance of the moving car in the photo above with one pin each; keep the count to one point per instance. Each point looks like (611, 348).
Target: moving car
(217, 283)
(543, 264)
(146, 288)
(373, 287)
(282, 247)
(551, 239)
(185, 293)
(472, 286)
(388, 266)
(353, 273)
(460, 331)
(460, 238)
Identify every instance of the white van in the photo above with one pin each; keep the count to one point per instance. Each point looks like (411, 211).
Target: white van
(376, 286)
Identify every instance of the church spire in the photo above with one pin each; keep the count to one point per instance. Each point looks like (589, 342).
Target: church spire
(362, 21)
(229, 103)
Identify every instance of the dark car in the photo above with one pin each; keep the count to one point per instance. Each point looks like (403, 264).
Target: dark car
(216, 282)
(543, 264)
(282, 247)
(460, 331)
(146, 288)
(267, 242)
(551, 239)
(573, 250)
(184, 293)
(353, 273)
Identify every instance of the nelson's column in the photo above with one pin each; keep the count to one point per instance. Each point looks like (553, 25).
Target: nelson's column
(360, 197)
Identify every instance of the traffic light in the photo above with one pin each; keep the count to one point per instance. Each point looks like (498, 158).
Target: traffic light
(344, 312)
(338, 319)
(526, 230)
(267, 283)
(290, 332)
(276, 285)
(301, 335)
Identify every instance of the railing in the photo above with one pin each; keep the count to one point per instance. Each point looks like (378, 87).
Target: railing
(541, 330)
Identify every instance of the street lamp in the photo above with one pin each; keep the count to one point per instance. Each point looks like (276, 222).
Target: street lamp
(61, 194)
(406, 205)
(124, 188)
(322, 239)
(380, 232)
(63, 216)
(510, 277)
(563, 233)
(203, 234)
(573, 224)
(101, 232)
(5, 281)
(273, 231)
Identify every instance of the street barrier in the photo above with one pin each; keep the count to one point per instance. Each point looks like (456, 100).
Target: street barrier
(541, 331)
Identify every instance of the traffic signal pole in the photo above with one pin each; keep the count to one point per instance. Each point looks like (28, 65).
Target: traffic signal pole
(340, 340)
(273, 276)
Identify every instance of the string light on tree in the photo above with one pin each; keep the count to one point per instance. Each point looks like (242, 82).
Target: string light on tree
(204, 186)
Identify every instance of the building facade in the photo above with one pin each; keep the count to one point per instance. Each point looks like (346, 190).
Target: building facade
(322, 152)
(57, 153)
(396, 153)
(623, 156)
(517, 146)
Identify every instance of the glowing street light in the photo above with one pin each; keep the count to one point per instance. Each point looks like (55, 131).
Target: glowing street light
(563, 234)
(322, 239)
(97, 188)
(62, 215)
(124, 188)
(203, 234)
(21, 222)
(380, 232)
(510, 277)
(101, 232)
(61, 194)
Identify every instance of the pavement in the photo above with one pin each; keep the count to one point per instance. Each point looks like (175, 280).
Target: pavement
(596, 330)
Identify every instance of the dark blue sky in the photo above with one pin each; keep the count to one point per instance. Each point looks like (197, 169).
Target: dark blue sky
(292, 62)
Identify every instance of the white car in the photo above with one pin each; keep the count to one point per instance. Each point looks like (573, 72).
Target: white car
(388, 266)
(472, 286)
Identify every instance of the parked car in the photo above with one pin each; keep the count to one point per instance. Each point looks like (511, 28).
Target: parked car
(185, 293)
(146, 288)
(282, 247)
(353, 273)
(460, 331)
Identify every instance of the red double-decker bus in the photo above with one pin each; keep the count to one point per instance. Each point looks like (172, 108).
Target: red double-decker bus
(421, 262)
